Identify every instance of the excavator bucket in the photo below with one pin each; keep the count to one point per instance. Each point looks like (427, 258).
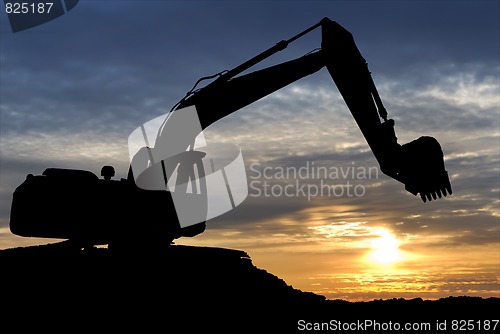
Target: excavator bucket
(422, 169)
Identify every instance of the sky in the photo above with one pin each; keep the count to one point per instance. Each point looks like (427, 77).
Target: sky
(73, 89)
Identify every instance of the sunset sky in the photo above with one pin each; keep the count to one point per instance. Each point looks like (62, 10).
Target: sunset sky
(73, 90)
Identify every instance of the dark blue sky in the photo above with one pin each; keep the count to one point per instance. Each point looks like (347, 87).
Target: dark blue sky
(120, 53)
(106, 67)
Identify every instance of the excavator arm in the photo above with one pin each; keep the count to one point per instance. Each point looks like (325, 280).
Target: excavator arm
(419, 165)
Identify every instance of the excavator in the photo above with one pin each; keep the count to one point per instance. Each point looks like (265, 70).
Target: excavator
(78, 206)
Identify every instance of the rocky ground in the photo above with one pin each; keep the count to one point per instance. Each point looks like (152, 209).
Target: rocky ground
(186, 289)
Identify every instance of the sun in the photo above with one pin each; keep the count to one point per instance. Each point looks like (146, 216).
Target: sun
(385, 248)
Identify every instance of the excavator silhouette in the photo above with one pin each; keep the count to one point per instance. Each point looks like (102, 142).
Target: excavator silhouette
(76, 205)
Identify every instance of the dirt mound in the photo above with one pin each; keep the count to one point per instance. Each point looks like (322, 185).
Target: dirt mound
(183, 289)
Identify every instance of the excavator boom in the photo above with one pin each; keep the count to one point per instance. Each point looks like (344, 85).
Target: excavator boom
(419, 164)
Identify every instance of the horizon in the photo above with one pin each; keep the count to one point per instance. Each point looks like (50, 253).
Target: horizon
(337, 227)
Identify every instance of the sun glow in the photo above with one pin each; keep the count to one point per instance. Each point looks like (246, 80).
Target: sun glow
(385, 248)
